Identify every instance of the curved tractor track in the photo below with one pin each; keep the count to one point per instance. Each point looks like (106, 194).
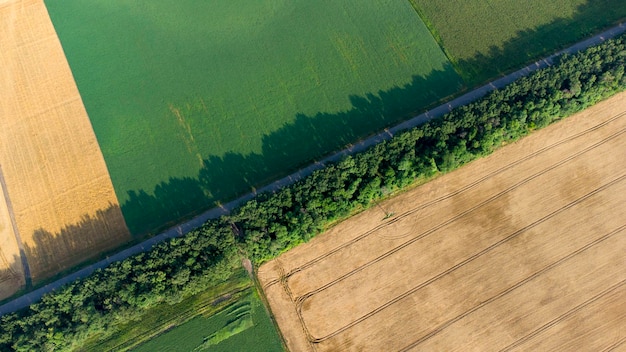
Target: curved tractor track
(468, 247)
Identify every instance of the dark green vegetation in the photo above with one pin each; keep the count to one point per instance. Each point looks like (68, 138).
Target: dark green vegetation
(195, 102)
(274, 223)
(162, 317)
(486, 38)
(242, 326)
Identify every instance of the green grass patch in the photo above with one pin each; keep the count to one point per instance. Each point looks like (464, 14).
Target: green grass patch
(158, 320)
(244, 325)
(485, 38)
(195, 102)
(239, 320)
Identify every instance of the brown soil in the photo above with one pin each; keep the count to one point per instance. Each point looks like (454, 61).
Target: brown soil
(521, 250)
(61, 194)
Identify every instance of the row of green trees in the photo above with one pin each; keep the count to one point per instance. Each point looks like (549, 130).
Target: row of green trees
(273, 223)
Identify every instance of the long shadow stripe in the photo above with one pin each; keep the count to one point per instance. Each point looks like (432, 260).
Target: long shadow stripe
(18, 238)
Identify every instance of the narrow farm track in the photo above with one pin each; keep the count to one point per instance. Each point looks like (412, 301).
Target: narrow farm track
(18, 239)
(459, 191)
(473, 95)
(510, 252)
(13, 264)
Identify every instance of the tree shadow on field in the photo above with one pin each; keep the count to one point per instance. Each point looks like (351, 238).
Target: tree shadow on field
(11, 279)
(308, 138)
(285, 150)
(529, 45)
(75, 243)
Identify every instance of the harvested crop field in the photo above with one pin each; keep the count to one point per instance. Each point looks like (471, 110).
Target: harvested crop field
(521, 250)
(61, 196)
(11, 271)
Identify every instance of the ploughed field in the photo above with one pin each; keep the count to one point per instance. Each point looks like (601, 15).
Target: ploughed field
(521, 250)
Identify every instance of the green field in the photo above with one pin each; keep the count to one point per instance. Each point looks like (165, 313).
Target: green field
(485, 38)
(229, 315)
(195, 102)
(242, 326)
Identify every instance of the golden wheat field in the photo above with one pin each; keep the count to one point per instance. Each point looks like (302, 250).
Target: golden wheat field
(522, 250)
(62, 198)
(11, 273)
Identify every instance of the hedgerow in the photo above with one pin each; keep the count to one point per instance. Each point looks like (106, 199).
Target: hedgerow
(273, 223)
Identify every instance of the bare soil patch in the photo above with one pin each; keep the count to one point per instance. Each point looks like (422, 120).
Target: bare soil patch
(62, 197)
(521, 250)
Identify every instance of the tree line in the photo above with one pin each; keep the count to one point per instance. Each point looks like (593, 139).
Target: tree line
(275, 222)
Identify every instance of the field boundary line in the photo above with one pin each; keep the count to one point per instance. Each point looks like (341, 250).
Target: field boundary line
(437, 38)
(560, 318)
(470, 259)
(16, 233)
(256, 284)
(448, 196)
(461, 215)
(445, 325)
(25, 300)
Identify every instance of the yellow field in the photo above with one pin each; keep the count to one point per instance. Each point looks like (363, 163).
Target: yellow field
(522, 250)
(62, 198)
(11, 273)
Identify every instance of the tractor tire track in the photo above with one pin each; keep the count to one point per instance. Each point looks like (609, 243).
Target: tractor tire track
(614, 346)
(445, 197)
(523, 282)
(562, 317)
(470, 259)
(461, 215)
(177, 231)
